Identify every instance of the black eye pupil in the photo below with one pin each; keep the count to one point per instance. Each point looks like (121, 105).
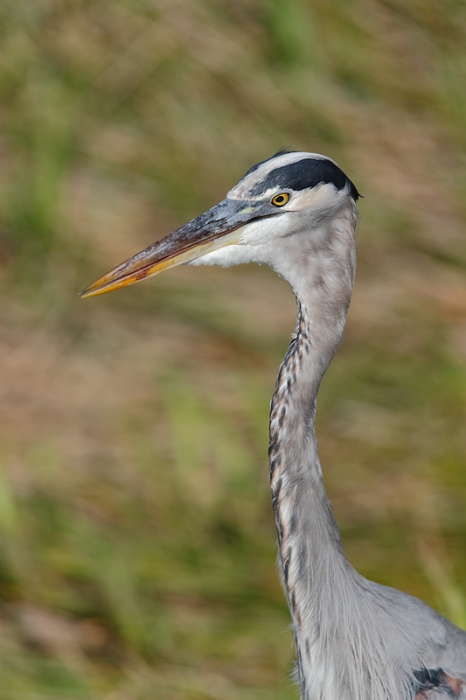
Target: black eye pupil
(280, 199)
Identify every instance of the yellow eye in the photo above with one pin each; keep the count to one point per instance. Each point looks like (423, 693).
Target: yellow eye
(280, 199)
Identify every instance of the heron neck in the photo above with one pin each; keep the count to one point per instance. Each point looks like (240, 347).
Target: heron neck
(310, 551)
(307, 530)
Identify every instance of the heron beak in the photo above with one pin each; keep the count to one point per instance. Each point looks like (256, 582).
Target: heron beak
(215, 228)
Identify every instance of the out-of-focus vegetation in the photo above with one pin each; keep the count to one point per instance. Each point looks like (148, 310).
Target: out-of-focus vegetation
(137, 546)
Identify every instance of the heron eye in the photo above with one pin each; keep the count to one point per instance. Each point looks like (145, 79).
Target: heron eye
(280, 199)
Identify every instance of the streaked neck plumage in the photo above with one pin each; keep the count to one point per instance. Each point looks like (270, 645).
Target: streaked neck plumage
(339, 618)
(322, 279)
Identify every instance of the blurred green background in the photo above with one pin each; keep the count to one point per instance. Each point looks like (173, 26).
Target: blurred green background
(137, 548)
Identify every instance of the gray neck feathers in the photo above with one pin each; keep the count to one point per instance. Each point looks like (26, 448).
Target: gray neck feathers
(330, 603)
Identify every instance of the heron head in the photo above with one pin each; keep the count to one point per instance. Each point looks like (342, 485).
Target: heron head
(275, 207)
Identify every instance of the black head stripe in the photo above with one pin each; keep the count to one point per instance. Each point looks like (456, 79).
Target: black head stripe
(281, 152)
(303, 174)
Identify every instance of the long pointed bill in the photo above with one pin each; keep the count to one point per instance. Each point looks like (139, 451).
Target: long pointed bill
(216, 228)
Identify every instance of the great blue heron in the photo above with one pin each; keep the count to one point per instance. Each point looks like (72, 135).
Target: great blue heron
(355, 639)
